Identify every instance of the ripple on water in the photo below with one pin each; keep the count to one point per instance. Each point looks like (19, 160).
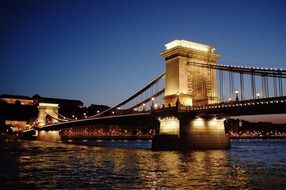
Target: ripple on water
(248, 164)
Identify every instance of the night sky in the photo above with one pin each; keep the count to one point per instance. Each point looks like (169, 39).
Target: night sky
(101, 51)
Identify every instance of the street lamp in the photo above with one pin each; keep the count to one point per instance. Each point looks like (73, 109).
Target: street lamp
(236, 95)
(153, 100)
(178, 100)
(143, 107)
(258, 95)
(155, 106)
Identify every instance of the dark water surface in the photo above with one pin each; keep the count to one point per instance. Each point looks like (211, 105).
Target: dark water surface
(249, 164)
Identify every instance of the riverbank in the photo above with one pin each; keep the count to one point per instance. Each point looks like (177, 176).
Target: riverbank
(257, 137)
(13, 137)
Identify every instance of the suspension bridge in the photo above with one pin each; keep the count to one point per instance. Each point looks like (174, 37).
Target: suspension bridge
(188, 103)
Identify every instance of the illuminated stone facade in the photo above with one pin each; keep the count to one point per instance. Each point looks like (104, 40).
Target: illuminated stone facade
(191, 84)
(12, 99)
(17, 125)
(169, 126)
(47, 113)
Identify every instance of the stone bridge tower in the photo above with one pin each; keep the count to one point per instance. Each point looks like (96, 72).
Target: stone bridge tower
(191, 84)
(47, 113)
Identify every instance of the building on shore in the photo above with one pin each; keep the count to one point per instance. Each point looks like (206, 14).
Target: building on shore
(16, 99)
(20, 112)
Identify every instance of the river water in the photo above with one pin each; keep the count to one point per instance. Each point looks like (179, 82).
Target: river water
(249, 164)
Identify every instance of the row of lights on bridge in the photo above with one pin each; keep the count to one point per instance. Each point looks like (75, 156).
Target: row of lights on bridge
(153, 105)
(236, 92)
(84, 114)
(198, 108)
(257, 68)
(156, 105)
(238, 104)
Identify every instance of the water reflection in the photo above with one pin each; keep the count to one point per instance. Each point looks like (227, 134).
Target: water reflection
(47, 165)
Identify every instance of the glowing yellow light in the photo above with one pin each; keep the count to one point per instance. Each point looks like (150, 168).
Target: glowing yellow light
(188, 102)
(198, 122)
(213, 122)
(49, 135)
(191, 45)
(169, 125)
(48, 105)
(217, 124)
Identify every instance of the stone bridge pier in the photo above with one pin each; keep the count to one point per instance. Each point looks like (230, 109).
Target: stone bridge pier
(191, 133)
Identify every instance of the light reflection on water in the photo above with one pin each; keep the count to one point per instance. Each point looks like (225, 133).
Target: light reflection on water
(249, 164)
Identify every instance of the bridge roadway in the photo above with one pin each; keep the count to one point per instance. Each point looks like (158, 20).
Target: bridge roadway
(261, 106)
(148, 119)
(145, 119)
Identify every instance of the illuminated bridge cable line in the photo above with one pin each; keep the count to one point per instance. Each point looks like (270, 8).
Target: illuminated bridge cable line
(253, 87)
(63, 117)
(265, 89)
(148, 99)
(275, 86)
(280, 81)
(58, 119)
(266, 86)
(138, 93)
(246, 70)
(278, 75)
(212, 93)
(220, 73)
(231, 84)
(241, 86)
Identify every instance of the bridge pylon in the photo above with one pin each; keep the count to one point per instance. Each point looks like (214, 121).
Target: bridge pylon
(185, 82)
(47, 113)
